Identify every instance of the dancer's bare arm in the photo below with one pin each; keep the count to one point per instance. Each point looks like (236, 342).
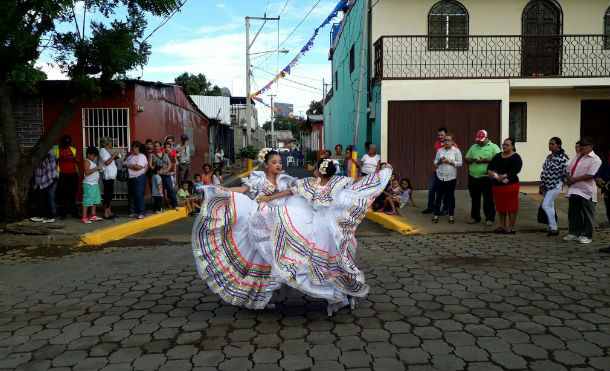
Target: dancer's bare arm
(272, 197)
(242, 189)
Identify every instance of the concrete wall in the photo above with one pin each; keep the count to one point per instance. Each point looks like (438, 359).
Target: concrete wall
(395, 90)
(28, 119)
(496, 17)
(550, 113)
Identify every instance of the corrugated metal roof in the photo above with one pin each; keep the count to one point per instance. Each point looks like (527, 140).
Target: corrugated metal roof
(214, 107)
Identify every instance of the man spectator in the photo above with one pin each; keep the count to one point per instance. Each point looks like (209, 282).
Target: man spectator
(44, 178)
(479, 184)
(582, 192)
(170, 140)
(184, 159)
(602, 179)
(67, 184)
(433, 189)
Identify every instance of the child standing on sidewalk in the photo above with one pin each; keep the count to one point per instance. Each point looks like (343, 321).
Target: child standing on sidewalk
(217, 177)
(157, 190)
(91, 187)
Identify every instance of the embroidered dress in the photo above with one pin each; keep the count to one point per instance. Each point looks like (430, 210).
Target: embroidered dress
(226, 259)
(310, 240)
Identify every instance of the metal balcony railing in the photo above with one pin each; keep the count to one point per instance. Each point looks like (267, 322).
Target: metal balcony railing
(517, 56)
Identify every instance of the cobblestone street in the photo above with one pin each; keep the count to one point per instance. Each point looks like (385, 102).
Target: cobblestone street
(446, 302)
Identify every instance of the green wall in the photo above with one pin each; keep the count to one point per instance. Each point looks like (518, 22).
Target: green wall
(340, 111)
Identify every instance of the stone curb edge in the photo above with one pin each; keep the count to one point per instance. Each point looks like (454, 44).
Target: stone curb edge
(390, 222)
(121, 231)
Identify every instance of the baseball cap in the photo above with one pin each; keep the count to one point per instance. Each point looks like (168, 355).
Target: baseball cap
(481, 135)
(586, 141)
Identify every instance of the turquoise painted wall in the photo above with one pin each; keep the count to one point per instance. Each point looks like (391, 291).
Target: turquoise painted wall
(340, 111)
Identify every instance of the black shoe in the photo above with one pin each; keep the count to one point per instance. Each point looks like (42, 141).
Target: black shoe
(605, 249)
(427, 211)
(552, 233)
(509, 231)
(499, 230)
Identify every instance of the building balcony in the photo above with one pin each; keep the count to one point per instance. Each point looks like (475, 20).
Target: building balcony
(491, 57)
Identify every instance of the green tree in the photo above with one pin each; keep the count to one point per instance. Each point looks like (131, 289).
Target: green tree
(91, 44)
(283, 123)
(197, 84)
(316, 107)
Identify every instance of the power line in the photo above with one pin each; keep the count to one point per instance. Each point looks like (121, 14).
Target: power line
(294, 29)
(287, 79)
(165, 21)
(284, 8)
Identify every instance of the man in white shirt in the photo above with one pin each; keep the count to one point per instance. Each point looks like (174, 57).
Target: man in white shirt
(184, 159)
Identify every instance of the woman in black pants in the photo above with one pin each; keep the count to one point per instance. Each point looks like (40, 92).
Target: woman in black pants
(106, 160)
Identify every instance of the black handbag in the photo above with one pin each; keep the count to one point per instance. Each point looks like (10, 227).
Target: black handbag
(542, 217)
(122, 175)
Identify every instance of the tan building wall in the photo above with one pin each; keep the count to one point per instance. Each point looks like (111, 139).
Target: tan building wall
(487, 17)
(397, 90)
(550, 113)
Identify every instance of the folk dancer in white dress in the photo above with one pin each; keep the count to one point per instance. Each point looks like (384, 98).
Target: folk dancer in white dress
(305, 241)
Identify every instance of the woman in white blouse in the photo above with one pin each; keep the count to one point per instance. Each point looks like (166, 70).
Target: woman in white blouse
(448, 159)
(371, 161)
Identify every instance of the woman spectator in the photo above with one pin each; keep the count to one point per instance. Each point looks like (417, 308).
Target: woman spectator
(106, 160)
(371, 162)
(503, 170)
(551, 181)
(448, 158)
(348, 161)
(136, 167)
(171, 170)
(338, 156)
(208, 175)
(160, 158)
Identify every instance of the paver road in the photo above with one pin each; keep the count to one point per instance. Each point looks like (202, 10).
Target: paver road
(437, 302)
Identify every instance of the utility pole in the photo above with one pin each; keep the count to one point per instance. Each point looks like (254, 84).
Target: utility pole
(272, 123)
(248, 68)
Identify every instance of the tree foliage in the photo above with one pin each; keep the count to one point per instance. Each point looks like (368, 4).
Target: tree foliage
(89, 41)
(316, 107)
(197, 84)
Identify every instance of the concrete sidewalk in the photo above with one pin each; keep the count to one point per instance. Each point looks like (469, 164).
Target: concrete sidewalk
(526, 217)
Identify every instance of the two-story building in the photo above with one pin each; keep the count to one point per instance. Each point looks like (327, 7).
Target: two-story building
(527, 69)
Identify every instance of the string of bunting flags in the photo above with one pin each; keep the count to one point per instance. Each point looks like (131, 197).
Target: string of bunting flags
(278, 110)
(286, 70)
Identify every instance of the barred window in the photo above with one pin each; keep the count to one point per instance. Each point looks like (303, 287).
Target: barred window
(517, 121)
(447, 21)
(607, 30)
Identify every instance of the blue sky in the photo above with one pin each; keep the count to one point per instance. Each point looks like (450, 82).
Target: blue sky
(209, 37)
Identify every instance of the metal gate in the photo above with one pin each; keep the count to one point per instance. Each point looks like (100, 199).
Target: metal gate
(114, 124)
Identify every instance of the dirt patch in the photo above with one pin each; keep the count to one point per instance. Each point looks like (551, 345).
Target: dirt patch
(479, 261)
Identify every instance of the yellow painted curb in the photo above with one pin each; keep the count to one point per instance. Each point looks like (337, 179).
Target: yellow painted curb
(392, 222)
(246, 174)
(127, 229)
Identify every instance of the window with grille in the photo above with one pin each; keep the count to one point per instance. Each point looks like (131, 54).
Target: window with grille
(607, 29)
(447, 21)
(517, 121)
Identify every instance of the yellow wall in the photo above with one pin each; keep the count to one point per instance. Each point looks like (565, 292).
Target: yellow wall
(550, 113)
(392, 90)
(487, 17)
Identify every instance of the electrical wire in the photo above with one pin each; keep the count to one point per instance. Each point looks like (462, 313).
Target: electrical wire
(294, 30)
(287, 79)
(284, 8)
(164, 21)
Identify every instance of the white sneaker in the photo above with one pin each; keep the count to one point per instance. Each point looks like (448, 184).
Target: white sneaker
(36, 219)
(570, 237)
(583, 239)
(51, 220)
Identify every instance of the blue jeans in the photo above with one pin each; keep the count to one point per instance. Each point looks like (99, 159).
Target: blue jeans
(433, 190)
(168, 186)
(52, 203)
(137, 186)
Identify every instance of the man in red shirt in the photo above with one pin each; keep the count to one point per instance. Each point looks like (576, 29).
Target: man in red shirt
(67, 185)
(432, 189)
